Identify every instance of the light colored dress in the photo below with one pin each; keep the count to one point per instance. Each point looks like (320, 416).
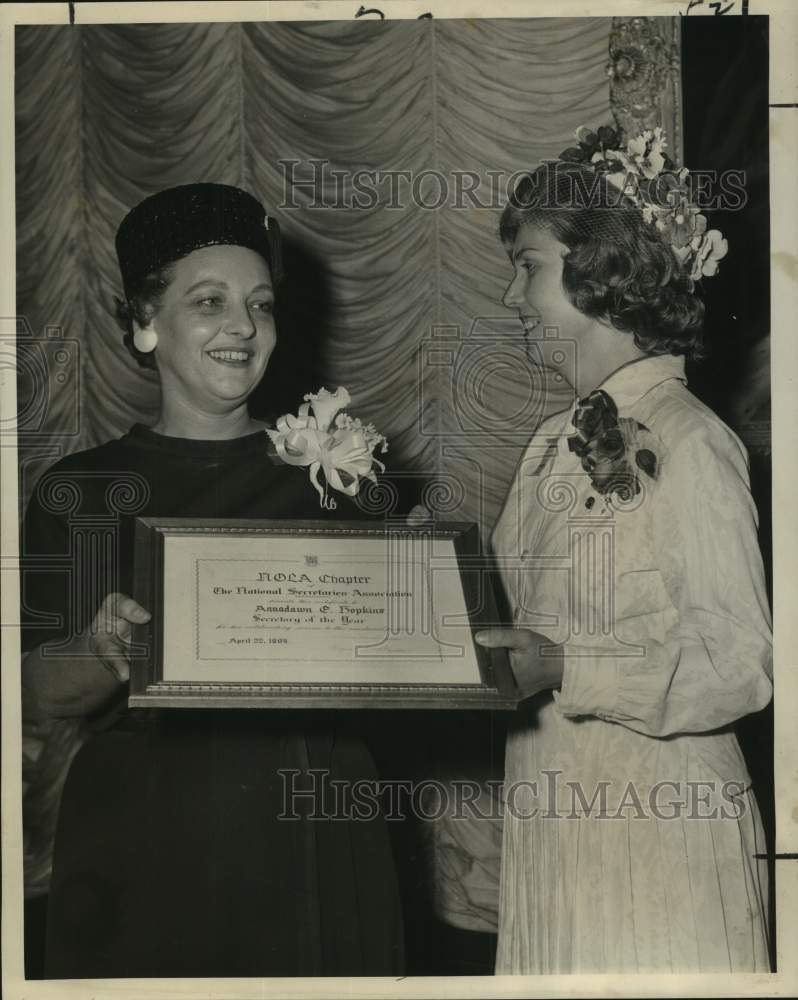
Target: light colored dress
(609, 862)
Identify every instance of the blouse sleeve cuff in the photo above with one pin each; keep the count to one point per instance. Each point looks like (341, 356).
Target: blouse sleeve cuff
(589, 684)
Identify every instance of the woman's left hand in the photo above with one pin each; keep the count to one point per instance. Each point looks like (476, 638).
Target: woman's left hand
(533, 672)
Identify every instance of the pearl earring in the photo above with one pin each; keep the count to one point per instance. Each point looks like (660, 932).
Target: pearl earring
(145, 341)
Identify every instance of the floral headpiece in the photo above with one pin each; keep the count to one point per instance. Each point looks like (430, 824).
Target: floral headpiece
(649, 178)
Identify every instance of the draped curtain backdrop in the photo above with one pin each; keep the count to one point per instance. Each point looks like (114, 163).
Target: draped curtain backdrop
(395, 294)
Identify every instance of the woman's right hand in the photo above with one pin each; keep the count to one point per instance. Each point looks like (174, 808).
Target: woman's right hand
(109, 635)
(82, 680)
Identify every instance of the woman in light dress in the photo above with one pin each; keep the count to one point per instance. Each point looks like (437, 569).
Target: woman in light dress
(627, 547)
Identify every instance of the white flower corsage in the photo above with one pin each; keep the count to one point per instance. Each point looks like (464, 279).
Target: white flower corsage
(329, 441)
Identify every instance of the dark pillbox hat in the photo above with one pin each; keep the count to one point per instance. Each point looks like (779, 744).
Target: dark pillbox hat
(172, 223)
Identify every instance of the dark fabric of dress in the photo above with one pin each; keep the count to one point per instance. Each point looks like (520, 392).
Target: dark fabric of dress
(171, 858)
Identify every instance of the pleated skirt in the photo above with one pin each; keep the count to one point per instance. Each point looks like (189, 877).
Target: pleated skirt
(626, 889)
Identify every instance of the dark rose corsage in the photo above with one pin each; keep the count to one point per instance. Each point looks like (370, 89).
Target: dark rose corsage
(611, 448)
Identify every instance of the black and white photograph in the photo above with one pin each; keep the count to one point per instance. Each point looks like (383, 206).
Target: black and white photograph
(398, 463)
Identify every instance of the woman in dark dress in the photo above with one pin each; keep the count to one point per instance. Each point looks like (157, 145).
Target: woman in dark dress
(170, 855)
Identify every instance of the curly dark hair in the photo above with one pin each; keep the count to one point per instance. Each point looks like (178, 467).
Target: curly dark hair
(141, 307)
(619, 269)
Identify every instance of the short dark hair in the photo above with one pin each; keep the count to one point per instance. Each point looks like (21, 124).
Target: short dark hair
(141, 307)
(619, 268)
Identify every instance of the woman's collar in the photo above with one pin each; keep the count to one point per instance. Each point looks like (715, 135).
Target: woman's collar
(629, 383)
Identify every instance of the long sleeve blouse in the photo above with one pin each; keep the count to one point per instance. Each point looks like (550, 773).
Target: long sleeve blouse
(660, 602)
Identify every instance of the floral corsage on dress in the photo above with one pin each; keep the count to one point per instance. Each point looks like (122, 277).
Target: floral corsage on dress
(337, 449)
(613, 450)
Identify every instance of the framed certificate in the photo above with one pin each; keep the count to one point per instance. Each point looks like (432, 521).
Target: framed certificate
(313, 614)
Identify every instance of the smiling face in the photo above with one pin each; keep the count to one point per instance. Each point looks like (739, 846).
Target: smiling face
(215, 328)
(595, 347)
(536, 290)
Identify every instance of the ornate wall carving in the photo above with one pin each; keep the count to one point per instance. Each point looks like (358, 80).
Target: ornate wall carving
(644, 70)
(645, 77)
